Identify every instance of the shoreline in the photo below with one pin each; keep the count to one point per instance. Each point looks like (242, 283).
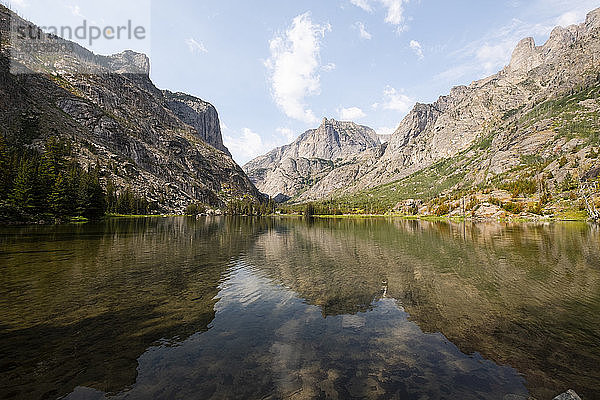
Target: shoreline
(428, 218)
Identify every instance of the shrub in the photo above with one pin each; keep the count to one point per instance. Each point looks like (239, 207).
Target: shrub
(592, 154)
(515, 208)
(568, 183)
(536, 208)
(495, 201)
(195, 209)
(442, 209)
(520, 186)
(473, 202)
(563, 161)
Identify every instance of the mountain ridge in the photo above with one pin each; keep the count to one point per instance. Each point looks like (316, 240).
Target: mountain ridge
(286, 171)
(165, 147)
(486, 109)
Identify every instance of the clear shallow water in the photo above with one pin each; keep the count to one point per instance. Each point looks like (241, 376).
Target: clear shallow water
(264, 308)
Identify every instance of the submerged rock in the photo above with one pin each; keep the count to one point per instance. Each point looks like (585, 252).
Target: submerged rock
(568, 395)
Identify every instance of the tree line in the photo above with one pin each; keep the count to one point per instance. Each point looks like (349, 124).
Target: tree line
(50, 186)
(248, 206)
(47, 185)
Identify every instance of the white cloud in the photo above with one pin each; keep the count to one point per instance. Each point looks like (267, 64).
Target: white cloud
(364, 4)
(18, 3)
(195, 46)
(287, 133)
(328, 67)
(416, 46)
(385, 130)
(76, 11)
(570, 18)
(351, 114)
(246, 146)
(492, 57)
(490, 53)
(397, 100)
(362, 31)
(294, 66)
(395, 11)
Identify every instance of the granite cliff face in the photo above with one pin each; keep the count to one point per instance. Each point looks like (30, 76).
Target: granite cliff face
(199, 114)
(287, 171)
(489, 125)
(166, 146)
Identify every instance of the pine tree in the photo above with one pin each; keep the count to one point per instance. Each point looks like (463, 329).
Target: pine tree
(59, 197)
(53, 160)
(111, 196)
(5, 170)
(124, 201)
(23, 194)
(92, 203)
(30, 129)
(73, 183)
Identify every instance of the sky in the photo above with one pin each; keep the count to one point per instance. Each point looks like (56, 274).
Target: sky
(275, 68)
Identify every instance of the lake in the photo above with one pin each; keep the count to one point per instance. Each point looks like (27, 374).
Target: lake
(259, 308)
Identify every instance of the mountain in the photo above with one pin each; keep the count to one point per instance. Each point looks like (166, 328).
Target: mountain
(496, 108)
(290, 170)
(167, 147)
(199, 114)
(536, 118)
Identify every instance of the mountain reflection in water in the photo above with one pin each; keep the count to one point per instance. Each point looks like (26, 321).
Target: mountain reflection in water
(269, 308)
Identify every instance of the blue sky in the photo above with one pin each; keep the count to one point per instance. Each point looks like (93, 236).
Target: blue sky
(275, 68)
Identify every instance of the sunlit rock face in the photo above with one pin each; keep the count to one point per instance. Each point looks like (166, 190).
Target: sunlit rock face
(493, 110)
(299, 166)
(199, 114)
(166, 146)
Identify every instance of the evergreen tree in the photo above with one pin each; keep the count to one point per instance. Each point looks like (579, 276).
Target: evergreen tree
(59, 197)
(42, 186)
(91, 196)
(73, 183)
(111, 196)
(30, 130)
(53, 160)
(23, 194)
(124, 200)
(5, 170)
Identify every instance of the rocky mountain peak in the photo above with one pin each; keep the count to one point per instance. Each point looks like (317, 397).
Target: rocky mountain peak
(592, 19)
(291, 169)
(334, 139)
(159, 144)
(526, 56)
(128, 62)
(200, 115)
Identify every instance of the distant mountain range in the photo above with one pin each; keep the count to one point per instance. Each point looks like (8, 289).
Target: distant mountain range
(167, 147)
(521, 121)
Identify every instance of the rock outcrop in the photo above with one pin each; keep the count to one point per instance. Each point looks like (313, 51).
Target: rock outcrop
(198, 114)
(165, 146)
(488, 125)
(288, 171)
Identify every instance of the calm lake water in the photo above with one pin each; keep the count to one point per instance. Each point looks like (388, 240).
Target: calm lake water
(280, 308)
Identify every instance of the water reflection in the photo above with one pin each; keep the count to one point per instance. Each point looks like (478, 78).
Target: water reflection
(80, 304)
(267, 343)
(239, 308)
(523, 295)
